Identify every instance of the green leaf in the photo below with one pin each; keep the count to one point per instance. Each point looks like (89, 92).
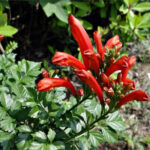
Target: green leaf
(55, 7)
(145, 21)
(82, 5)
(93, 107)
(22, 141)
(75, 126)
(7, 124)
(40, 136)
(24, 128)
(96, 138)
(109, 135)
(6, 101)
(8, 30)
(5, 136)
(34, 112)
(51, 135)
(59, 145)
(142, 7)
(3, 19)
(36, 146)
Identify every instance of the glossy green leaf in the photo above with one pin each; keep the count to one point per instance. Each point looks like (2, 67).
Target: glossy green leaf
(4, 136)
(142, 7)
(82, 5)
(34, 112)
(8, 30)
(55, 7)
(6, 101)
(95, 138)
(109, 135)
(24, 128)
(40, 136)
(51, 135)
(22, 141)
(145, 21)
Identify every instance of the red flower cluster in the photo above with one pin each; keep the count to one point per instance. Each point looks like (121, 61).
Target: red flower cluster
(102, 64)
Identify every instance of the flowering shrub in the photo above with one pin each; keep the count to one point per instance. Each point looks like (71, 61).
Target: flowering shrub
(32, 118)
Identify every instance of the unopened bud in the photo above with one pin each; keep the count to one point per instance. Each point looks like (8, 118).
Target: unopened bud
(99, 57)
(56, 71)
(112, 60)
(121, 96)
(80, 92)
(119, 92)
(110, 92)
(119, 77)
(105, 79)
(112, 82)
(108, 100)
(45, 74)
(65, 78)
(105, 89)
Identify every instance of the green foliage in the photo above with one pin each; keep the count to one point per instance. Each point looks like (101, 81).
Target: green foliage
(5, 29)
(37, 120)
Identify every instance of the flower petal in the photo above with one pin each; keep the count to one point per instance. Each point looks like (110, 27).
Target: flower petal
(83, 40)
(88, 78)
(47, 84)
(138, 95)
(120, 64)
(99, 45)
(61, 58)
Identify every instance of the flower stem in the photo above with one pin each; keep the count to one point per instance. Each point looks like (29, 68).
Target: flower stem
(1, 48)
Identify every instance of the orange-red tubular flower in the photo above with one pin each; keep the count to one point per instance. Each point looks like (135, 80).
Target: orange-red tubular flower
(88, 78)
(120, 64)
(83, 40)
(138, 95)
(61, 58)
(112, 42)
(131, 61)
(47, 84)
(1, 37)
(99, 45)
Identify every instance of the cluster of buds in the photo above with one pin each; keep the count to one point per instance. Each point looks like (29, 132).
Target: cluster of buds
(96, 69)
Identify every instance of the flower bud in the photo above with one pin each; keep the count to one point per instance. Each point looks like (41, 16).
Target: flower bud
(45, 74)
(105, 79)
(80, 92)
(65, 78)
(110, 92)
(112, 82)
(112, 60)
(119, 77)
(108, 100)
(121, 96)
(56, 71)
(105, 89)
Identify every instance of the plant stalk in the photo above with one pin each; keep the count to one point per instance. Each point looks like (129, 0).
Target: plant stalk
(1, 48)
